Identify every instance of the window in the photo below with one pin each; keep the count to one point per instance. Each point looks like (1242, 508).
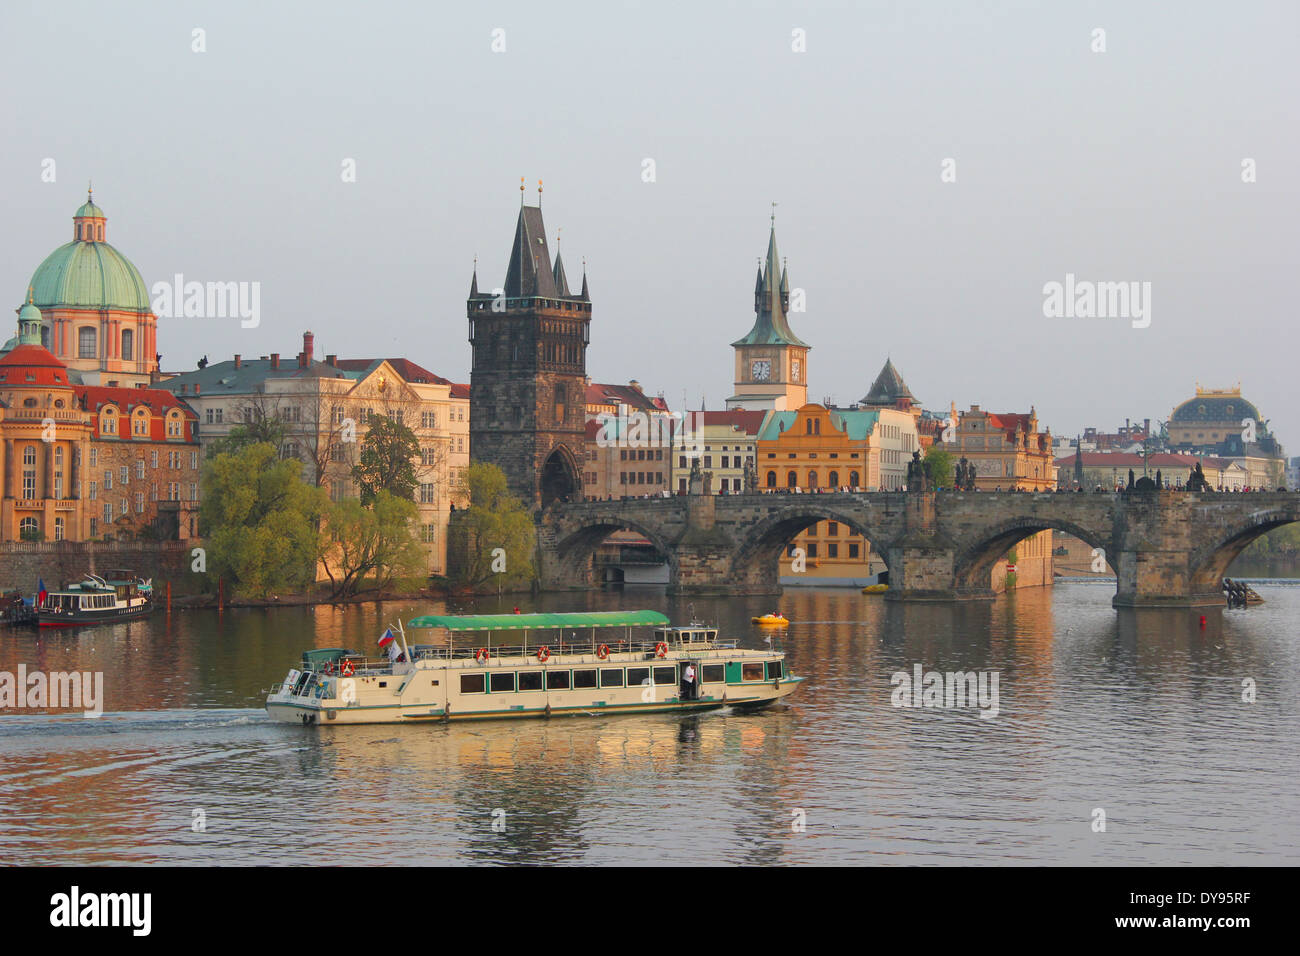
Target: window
(832, 529)
(584, 678)
(791, 480)
(833, 550)
(139, 467)
(530, 680)
(853, 550)
(637, 676)
(611, 677)
(471, 683)
(557, 680)
(338, 489)
(428, 533)
(94, 457)
(502, 682)
(108, 512)
(174, 491)
(58, 529)
(428, 494)
(666, 675)
(108, 479)
(128, 343)
(713, 674)
(124, 477)
(751, 671)
(94, 490)
(29, 529)
(774, 670)
(86, 342)
(139, 502)
(194, 491)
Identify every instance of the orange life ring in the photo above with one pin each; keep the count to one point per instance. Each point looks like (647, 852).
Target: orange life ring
(329, 667)
(603, 652)
(481, 655)
(543, 654)
(347, 670)
(661, 650)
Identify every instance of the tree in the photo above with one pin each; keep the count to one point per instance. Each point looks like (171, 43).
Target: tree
(494, 538)
(259, 521)
(385, 460)
(938, 467)
(361, 542)
(258, 428)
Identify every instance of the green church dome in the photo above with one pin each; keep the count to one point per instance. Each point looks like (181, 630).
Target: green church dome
(88, 208)
(89, 275)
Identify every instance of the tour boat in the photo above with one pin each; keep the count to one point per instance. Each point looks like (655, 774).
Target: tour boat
(116, 596)
(770, 620)
(569, 669)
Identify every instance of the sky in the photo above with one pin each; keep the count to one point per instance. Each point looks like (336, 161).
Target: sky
(935, 166)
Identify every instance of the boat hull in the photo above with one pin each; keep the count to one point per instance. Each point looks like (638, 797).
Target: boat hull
(80, 618)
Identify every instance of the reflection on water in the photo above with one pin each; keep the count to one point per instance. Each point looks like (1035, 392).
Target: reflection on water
(1138, 713)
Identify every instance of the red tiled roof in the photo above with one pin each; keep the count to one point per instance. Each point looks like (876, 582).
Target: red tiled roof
(750, 422)
(32, 356)
(459, 391)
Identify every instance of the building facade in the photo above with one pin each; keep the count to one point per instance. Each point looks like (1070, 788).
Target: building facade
(721, 444)
(1007, 449)
(86, 462)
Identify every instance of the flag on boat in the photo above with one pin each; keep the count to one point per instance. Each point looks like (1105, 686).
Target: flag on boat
(41, 593)
(395, 655)
(387, 637)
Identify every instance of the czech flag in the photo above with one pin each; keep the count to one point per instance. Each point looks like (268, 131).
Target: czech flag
(387, 637)
(41, 593)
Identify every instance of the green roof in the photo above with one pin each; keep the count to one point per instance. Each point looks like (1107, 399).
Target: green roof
(858, 423)
(89, 275)
(528, 622)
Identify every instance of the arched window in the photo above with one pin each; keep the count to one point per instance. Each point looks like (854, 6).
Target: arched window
(29, 529)
(834, 480)
(853, 479)
(812, 479)
(128, 343)
(771, 479)
(791, 480)
(86, 341)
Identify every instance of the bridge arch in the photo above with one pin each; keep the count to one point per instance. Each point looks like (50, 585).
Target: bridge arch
(1209, 563)
(756, 562)
(973, 563)
(574, 551)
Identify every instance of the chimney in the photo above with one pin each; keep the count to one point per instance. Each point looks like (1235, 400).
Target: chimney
(308, 346)
(238, 360)
(275, 360)
(332, 360)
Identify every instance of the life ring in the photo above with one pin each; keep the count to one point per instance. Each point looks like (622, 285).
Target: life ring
(481, 655)
(329, 667)
(603, 652)
(543, 654)
(347, 670)
(661, 650)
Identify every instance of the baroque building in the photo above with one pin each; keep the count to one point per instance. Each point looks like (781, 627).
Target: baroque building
(528, 373)
(96, 318)
(83, 462)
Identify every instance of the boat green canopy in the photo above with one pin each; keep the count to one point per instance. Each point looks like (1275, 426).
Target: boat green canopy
(530, 622)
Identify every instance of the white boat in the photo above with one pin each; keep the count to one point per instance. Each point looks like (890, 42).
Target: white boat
(560, 672)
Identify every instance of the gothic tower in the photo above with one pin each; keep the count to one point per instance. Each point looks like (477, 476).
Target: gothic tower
(771, 361)
(528, 373)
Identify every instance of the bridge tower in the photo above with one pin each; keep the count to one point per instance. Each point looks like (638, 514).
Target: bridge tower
(528, 372)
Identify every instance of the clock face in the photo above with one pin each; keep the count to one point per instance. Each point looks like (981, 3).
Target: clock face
(761, 370)
(795, 366)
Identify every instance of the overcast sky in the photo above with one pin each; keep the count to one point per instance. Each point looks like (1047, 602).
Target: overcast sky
(1123, 165)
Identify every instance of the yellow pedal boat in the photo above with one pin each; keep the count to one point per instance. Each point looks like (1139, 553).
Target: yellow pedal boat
(875, 588)
(770, 620)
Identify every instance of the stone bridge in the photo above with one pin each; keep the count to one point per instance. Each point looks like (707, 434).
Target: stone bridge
(1168, 548)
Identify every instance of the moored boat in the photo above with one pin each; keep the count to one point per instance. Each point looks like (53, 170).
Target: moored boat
(114, 596)
(684, 669)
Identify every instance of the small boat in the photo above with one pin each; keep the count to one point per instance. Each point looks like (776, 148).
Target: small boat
(16, 609)
(116, 596)
(771, 620)
(564, 676)
(875, 589)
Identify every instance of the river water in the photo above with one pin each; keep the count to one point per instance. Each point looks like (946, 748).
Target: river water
(1135, 714)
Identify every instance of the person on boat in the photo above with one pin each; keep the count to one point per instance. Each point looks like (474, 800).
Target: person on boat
(688, 682)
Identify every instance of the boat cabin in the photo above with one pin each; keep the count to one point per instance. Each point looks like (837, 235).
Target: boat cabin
(694, 635)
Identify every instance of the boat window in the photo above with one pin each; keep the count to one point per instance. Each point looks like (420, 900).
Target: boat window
(774, 670)
(557, 680)
(611, 677)
(584, 678)
(665, 675)
(713, 674)
(709, 636)
(471, 683)
(530, 680)
(503, 682)
(638, 675)
(752, 671)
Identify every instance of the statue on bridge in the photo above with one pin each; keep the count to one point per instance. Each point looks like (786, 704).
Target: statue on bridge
(751, 477)
(964, 476)
(1197, 481)
(916, 477)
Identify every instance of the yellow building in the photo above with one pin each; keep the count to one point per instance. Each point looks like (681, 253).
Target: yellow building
(722, 443)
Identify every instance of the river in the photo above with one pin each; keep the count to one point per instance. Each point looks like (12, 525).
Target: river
(1138, 715)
